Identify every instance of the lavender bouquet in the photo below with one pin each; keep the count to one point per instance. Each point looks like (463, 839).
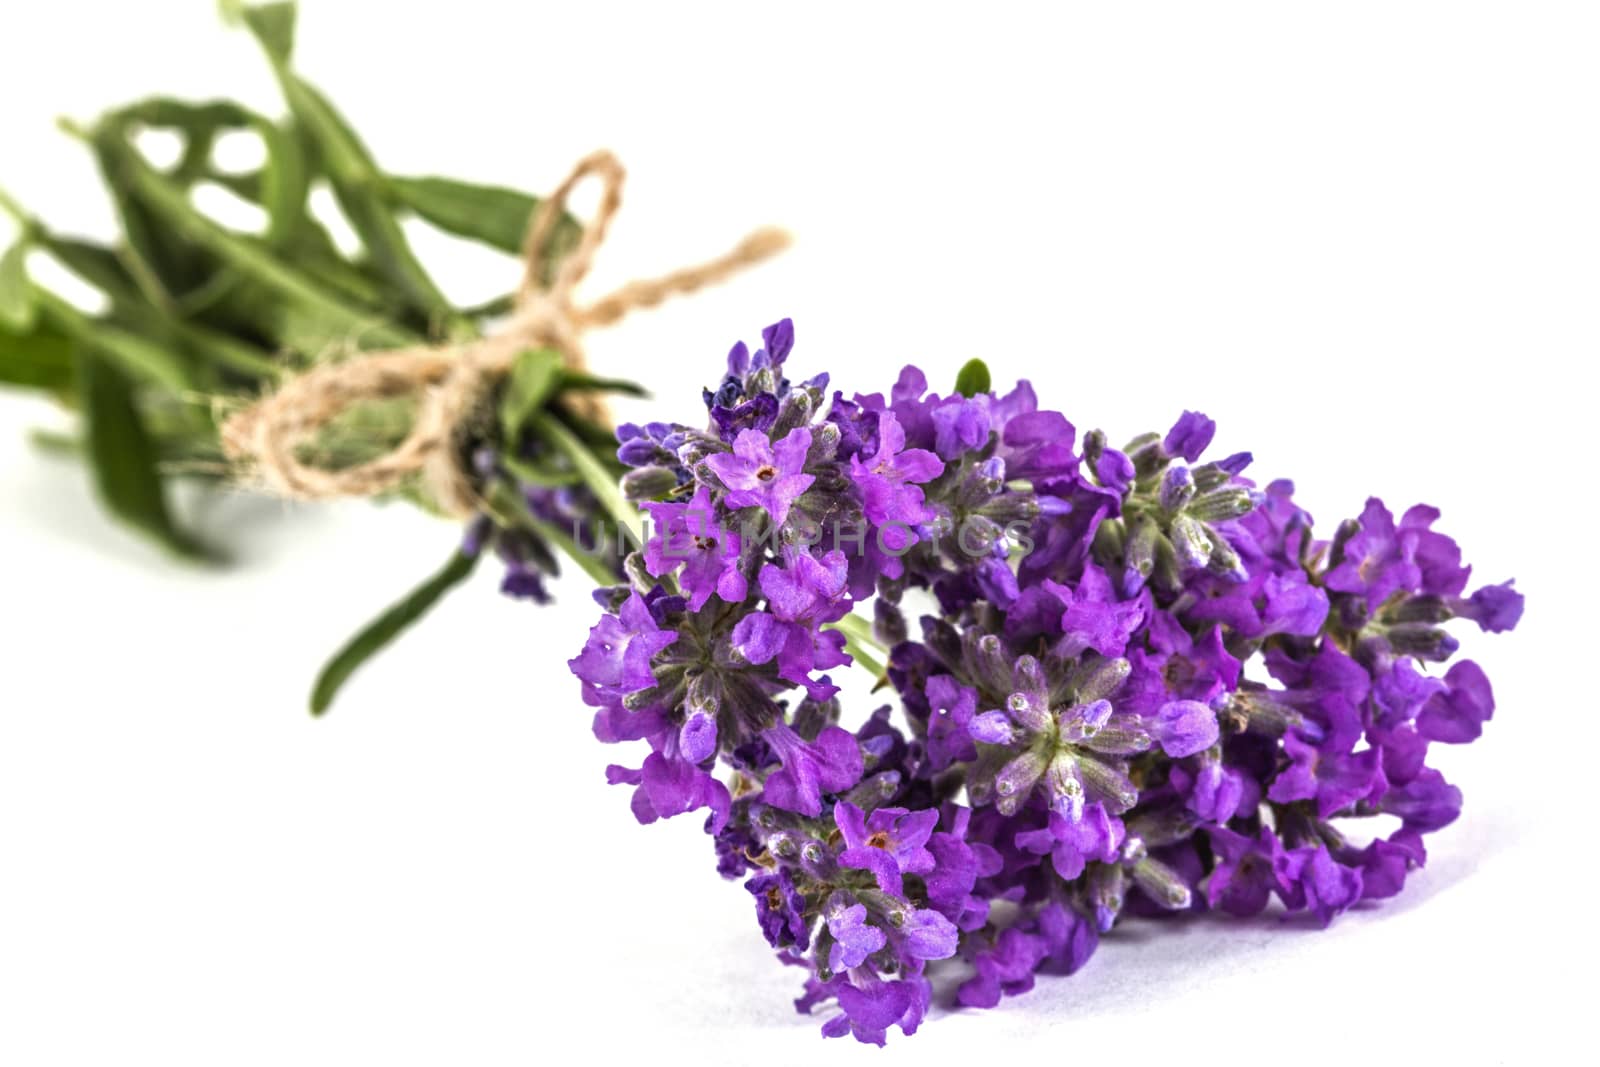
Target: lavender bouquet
(1131, 682)
(1138, 684)
(195, 315)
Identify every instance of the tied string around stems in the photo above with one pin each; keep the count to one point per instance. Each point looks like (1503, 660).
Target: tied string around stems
(450, 378)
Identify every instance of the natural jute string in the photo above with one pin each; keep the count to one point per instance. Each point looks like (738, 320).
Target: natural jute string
(449, 379)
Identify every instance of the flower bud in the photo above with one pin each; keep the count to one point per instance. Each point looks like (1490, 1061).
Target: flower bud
(642, 452)
(1065, 786)
(986, 480)
(1016, 780)
(1106, 884)
(1225, 561)
(991, 728)
(704, 697)
(1110, 539)
(1085, 720)
(1094, 444)
(816, 859)
(1119, 740)
(1028, 673)
(1109, 784)
(1426, 609)
(991, 664)
(888, 622)
(1097, 680)
(1177, 488)
(1224, 504)
(1209, 477)
(824, 440)
(1341, 538)
(648, 483)
(1139, 557)
(875, 790)
(1162, 884)
(795, 410)
(1146, 453)
(1190, 542)
(1263, 715)
(1025, 706)
(637, 574)
(1423, 641)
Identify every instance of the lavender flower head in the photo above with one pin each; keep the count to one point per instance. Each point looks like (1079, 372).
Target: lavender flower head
(1142, 685)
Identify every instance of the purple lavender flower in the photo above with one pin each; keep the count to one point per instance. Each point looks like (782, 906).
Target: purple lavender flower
(616, 659)
(831, 764)
(853, 939)
(1495, 608)
(1073, 844)
(1376, 563)
(1311, 878)
(781, 910)
(807, 589)
(871, 1006)
(1246, 874)
(691, 536)
(761, 473)
(668, 787)
(1189, 436)
(1335, 780)
(891, 843)
(889, 480)
(1457, 713)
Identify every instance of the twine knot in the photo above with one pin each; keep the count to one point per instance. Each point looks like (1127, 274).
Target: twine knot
(448, 379)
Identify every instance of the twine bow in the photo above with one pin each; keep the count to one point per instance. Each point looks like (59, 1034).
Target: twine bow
(450, 378)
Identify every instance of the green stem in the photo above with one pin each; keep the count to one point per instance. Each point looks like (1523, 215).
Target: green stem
(509, 509)
(54, 443)
(861, 643)
(601, 482)
(11, 207)
(592, 565)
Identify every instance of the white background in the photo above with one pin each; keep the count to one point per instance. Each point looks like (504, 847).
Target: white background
(1362, 236)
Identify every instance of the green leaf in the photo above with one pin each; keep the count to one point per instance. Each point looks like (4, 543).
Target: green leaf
(161, 263)
(135, 356)
(39, 359)
(122, 454)
(273, 25)
(489, 214)
(281, 187)
(973, 379)
(95, 264)
(253, 259)
(17, 311)
(528, 473)
(533, 378)
(101, 268)
(386, 627)
(357, 182)
(580, 382)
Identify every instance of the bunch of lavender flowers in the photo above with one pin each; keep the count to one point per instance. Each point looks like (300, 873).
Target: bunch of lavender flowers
(1141, 686)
